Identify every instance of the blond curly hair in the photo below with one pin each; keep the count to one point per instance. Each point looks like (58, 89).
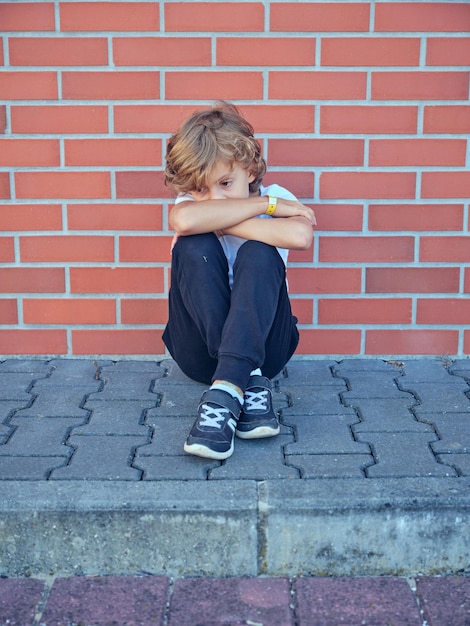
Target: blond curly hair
(207, 137)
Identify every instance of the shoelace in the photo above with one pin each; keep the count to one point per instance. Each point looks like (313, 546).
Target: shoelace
(212, 417)
(255, 400)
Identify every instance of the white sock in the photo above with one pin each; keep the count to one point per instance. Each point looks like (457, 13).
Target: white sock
(256, 372)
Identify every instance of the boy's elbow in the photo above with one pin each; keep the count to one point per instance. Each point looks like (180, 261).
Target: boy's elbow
(304, 237)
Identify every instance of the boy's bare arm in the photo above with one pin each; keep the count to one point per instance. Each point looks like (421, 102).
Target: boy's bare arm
(293, 233)
(195, 217)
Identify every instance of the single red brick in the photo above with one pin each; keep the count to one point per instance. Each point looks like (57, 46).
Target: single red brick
(303, 310)
(69, 311)
(314, 152)
(32, 217)
(415, 217)
(412, 152)
(144, 311)
(114, 217)
(271, 118)
(29, 152)
(420, 85)
(317, 85)
(150, 118)
(33, 341)
(325, 341)
(62, 184)
(264, 51)
(106, 16)
(365, 311)
(108, 152)
(338, 217)
(32, 280)
(3, 119)
(421, 16)
(116, 280)
(443, 311)
(366, 249)
(445, 185)
(404, 342)
(172, 51)
(324, 280)
(4, 185)
(27, 16)
(7, 250)
(28, 85)
(412, 279)
(141, 185)
(370, 51)
(467, 280)
(368, 119)
(447, 119)
(302, 256)
(301, 184)
(367, 185)
(448, 51)
(117, 342)
(145, 249)
(56, 119)
(8, 311)
(466, 346)
(320, 17)
(448, 249)
(214, 17)
(114, 85)
(62, 51)
(66, 248)
(214, 85)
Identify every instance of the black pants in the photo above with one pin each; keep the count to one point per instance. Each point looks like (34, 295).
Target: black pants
(215, 332)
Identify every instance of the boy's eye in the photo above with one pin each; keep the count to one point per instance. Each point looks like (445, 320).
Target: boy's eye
(226, 183)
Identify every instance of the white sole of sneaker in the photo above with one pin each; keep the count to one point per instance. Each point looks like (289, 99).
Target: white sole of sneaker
(199, 450)
(258, 433)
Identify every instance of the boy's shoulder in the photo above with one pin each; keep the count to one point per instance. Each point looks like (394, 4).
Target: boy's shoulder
(277, 191)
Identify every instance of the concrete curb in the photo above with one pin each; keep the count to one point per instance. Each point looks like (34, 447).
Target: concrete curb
(241, 527)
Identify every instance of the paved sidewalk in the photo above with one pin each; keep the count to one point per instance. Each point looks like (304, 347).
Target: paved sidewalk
(369, 476)
(159, 601)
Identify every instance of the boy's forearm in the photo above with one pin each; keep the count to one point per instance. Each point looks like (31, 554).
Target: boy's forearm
(293, 233)
(193, 218)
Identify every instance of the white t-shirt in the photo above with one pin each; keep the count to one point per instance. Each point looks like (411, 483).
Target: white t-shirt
(230, 243)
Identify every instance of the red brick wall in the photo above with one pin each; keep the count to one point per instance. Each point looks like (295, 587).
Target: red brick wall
(363, 111)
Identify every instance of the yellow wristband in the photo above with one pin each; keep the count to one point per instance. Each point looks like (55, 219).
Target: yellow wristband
(272, 204)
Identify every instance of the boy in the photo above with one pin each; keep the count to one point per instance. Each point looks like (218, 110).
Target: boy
(230, 321)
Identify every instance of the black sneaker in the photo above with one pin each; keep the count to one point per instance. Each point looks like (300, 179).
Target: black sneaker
(257, 418)
(212, 433)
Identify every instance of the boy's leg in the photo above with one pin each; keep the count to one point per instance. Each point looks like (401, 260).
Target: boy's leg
(199, 301)
(260, 330)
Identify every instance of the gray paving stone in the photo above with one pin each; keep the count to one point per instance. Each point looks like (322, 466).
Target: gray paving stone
(172, 375)
(460, 462)
(316, 401)
(101, 458)
(168, 434)
(369, 365)
(355, 601)
(323, 434)
(5, 433)
(231, 601)
(308, 373)
(177, 400)
(454, 432)
(64, 402)
(373, 386)
(15, 386)
(182, 467)
(29, 467)
(403, 455)
(85, 369)
(132, 366)
(256, 459)
(102, 601)
(45, 436)
(445, 600)
(126, 386)
(386, 416)
(26, 366)
(116, 417)
(330, 465)
(18, 600)
(65, 383)
(424, 371)
(440, 398)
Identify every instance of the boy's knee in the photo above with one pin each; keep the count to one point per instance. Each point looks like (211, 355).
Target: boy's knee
(198, 245)
(259, 253)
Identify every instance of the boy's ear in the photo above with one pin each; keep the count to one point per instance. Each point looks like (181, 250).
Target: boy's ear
(251, 177)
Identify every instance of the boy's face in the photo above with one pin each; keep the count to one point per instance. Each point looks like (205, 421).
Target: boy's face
(225, 181)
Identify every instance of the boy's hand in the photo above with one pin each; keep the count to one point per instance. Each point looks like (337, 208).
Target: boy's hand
(293, 208)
